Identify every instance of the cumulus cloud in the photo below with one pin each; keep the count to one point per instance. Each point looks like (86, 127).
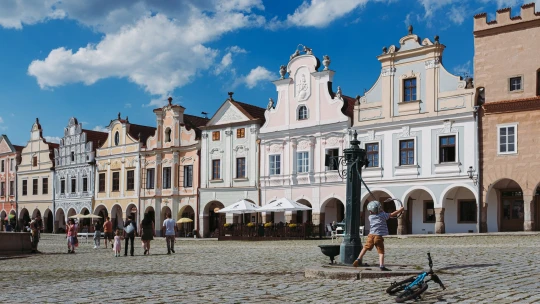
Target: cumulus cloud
(457, 14)
(99, 129)
(52, 139)
(227, 60)
(257, 75)
(15, 13)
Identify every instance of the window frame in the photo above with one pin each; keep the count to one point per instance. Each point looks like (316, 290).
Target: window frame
(499, 127)
(2, 188)
(216, 174)
(130, 181)
(167, 178)
(242, 167)
(45, 185)
(35, 186)
(414, 151)
(24, 187)
(333, 161)
(425, 215)
(216, 136)
(459, 220)
(116, 138)
(378, 143)
(11, 188)
(150, 182)
(300, 107)
(521, 84)
(72, 156)
(12, 164)
(85, 184)
(275, 169)
(62, 186)
(241, 133)
(188, 181)
(102, 185)
(305, 162)
(115, 181)
(168, 135)
(73, 185)
(34, 161)
(405, 80)
(439, 148)
(3, 165)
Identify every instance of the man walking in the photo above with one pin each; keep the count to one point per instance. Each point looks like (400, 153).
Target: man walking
(170, 228)
(130, 229)
(108, 232)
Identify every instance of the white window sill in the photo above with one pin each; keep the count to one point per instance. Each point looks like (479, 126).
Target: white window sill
(506, 153)
(406, 170)
(216, 180)
(240, 179)
(372, 172)
(443, 168)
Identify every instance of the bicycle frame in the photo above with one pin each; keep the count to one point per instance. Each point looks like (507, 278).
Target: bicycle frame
(420, 278)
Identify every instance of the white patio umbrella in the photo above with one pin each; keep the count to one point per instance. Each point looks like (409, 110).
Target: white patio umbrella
(240, 207)
(282, 205)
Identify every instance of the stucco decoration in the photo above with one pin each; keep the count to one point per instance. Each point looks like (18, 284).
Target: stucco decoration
(388, 71)
(426, 41)
(431, 64)
(230, 115)
(275, 148)
(392, 49)
(215, 150)
(253, 130)
(241, 150)
(304, 145)
(332, 141)
(406, 132)
(302, 84)
(205, 135)
(447, 127)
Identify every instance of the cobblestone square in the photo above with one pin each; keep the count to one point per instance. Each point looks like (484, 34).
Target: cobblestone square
(479, 269)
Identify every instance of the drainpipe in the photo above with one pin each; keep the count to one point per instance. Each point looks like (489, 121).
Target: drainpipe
(16, 198)
(53, 196)
(198, 189)
(258, 177)
(476, 115)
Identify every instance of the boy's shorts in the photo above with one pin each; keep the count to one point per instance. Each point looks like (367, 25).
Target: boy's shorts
(375, 240)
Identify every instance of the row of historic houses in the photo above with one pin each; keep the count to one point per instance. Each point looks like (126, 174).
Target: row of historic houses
(460, 155)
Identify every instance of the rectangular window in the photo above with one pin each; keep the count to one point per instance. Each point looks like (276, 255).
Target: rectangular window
(11, 188)
(24, 187)
(216, 135)
(2, 189)
(406, 152)
(35, 186)
(429, 212)
(85, 184)
(188, 176)
(447, 149)
(12, 165)
(241, 167)
(275, 164)
(63, 186)
(372, 151)
(240, 133)
(150, 176)
(302, 162)
(3, 165)
(167, 178)
(131, 180)
(507, 139)
(72, 156)
(34, 161)
(101, 181)
(333, 163)
(410, 89)
(516, 84)
(73, 185)
(116, 181)
(467, 212)
(45, 185)
(216, 169)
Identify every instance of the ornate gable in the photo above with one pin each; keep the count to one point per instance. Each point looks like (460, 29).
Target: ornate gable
(5, 146)
(228, 113)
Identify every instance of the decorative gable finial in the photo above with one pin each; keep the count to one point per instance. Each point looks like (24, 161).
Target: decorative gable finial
(357, 99)
(410, 29)
(437, 39)
(170, 100)
(326, 62)
(230, 96)
(270, 104)
(139, 137)
(338, 93)
(282, 71)
(37, 120)
(127, 119)
(308, 50)
(119, 116)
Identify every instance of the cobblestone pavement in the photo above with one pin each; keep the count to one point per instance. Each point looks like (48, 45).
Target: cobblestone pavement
(480, 269)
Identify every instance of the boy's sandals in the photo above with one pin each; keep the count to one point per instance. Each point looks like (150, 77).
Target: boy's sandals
(357, 263)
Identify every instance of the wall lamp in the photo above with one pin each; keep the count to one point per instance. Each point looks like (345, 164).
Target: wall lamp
(472, 175)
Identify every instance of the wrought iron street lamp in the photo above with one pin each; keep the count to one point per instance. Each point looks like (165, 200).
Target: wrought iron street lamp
(472, 175)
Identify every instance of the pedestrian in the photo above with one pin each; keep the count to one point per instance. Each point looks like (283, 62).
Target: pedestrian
(35, 229)
(72, 236)
(378, 229)
(117, 245)
(97, 236)
(147, 232)
(108, 231)
(130, 230)
(169, 225)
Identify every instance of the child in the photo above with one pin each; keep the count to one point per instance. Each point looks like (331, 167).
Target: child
(117, 243)
(378, 229)
(97, 235)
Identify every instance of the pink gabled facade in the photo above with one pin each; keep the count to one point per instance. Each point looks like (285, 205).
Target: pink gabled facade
(10, 156)
(308, 121)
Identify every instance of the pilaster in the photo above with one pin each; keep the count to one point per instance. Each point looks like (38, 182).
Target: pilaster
(439, 221)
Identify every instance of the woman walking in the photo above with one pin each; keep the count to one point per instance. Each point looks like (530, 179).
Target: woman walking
(147, 232)
(72, 236)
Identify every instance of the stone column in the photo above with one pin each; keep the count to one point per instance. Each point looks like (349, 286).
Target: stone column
(402, 223)
(204, 226)
(528, 209)
(439, 220)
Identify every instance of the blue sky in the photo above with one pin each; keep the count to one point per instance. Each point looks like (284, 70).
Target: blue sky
(93, 59)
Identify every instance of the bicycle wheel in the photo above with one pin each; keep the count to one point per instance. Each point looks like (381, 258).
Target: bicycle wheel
(399, 286)
(411, 294)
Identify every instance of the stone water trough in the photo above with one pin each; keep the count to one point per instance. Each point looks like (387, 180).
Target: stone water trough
(15, 242)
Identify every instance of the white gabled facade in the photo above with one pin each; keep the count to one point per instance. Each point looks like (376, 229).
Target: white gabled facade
(418, 124)
(230, 161)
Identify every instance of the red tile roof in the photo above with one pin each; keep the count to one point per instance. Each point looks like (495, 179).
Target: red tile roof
(195, 122)
(251, 111)
(512, 105)
(96, 137)
(143, 131)
(348, 106)
(18, 148)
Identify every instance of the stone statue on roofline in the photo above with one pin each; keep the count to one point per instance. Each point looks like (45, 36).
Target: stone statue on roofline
(270, 104)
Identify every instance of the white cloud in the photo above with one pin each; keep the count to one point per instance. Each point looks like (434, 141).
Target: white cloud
(227, 60)
(52, 139)
(457, 14)
(236, 49)
(319, 13)
(463, 69)
(256, 76)
(157, 102)
(127, 106)
(431, 6)
(99, 129)
(15, 13)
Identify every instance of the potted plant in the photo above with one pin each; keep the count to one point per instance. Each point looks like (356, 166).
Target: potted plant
(268, 225)
(292, 226)
(251, 225)
(227, 225)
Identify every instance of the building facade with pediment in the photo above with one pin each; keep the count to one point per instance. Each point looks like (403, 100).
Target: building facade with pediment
(417, 124)
(230, 162)
(118, 171)
(308, 121)
(170, 162)
(10, 157)
(75, 172)
(35, 176)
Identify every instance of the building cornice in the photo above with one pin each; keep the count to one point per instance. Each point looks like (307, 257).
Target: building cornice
(516, 105)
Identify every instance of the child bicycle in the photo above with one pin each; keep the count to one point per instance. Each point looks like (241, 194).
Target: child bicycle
(413, 287)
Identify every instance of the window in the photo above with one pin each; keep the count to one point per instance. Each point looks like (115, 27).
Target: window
(116, 181)
(240, 133)
(516, 84)
(85, 184)
(34, 161)
(101, 186)
(275, 164)
(63, 186)
(333, 163)
(131, 180)
(116, 138)
(507, 139)
(34, 186)
(2, 189)
(150, 174)
(45, 185)
(168, 135)
(302, 162)
(302, 113)
(372, 151)
(2, 166)
(538, 83)
(241, 167)
(429, 212)
(72, 156)
(467, 212)
(406, 152)
(73, 185)
(216, 164)
(447, 149)
(11, 188)
(167, 178)
(215, 135)
(12, 165)
(409, 93)
(25, 187)
(188, 176)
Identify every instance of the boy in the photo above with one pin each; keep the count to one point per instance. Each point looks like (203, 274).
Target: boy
(378, 229)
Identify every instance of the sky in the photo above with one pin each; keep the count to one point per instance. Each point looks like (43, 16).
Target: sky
(93, 59)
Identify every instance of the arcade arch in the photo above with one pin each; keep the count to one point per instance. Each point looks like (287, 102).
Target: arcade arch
(214, 219)
(60, 221)
(505, 206)
(460, 209)
(332, 210)
(421, 215)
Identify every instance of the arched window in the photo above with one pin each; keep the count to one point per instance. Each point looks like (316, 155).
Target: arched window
(116, 138)
(302, 113)
(168, 135)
